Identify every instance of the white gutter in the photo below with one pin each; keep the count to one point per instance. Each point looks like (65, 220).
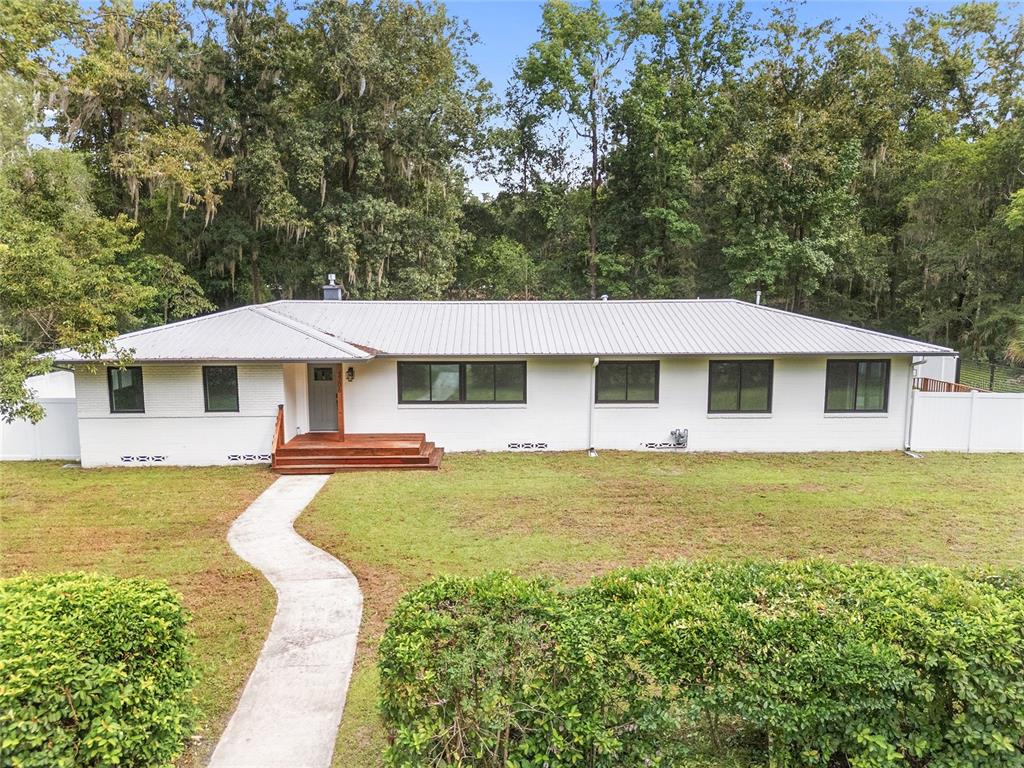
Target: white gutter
(590, 415)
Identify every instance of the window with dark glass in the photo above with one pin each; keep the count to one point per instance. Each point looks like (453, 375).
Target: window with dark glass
(854, 386)
(220, 387)
(462, 382)
(125, 388)
(740, 386)
(627, 382)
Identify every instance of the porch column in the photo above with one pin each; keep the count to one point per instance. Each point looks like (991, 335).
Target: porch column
(341, 402)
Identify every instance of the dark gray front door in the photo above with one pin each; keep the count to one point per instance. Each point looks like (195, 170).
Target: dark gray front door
(323, 398)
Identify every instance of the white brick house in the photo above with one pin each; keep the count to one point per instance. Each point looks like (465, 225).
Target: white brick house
(712, 375)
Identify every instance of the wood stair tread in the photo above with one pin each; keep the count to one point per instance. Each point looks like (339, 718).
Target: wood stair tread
(318, 453)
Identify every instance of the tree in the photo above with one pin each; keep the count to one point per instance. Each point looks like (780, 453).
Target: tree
(572, 71)
(969, 256)
(787, 211)
(68, 276)
(666, 125)
(264, 151)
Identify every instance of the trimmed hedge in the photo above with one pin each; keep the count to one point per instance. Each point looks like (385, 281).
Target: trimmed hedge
(94, 671)
(805, 663)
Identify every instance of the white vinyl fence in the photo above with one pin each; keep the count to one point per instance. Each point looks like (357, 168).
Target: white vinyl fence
(56, 436)
(968, 422)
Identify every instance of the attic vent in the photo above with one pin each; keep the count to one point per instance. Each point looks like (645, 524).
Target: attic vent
(527, 446)
(143, 459)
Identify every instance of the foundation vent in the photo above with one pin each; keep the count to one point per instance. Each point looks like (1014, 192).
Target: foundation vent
(249, 458)
(527, 446)
(143, 459)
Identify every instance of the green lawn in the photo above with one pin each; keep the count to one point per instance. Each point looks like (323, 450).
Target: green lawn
(163, 523)
(570, 517)
(563, 515)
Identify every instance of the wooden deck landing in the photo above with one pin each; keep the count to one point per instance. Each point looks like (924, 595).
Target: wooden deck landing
(327, 452)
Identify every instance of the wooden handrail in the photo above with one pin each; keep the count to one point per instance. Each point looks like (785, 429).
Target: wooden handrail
(278, 430)
(925, 384)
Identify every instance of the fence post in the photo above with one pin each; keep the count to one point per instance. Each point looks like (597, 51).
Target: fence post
(991, 377)
(970, 420)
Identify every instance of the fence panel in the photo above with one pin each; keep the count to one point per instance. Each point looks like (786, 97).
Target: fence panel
(972, 422)
(993, 377)
(55, 437)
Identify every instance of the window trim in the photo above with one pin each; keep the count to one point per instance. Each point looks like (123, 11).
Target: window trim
(657, 383)
(206, 390)
(462, 400)
(739, 411)
(110, 388)
(856, 384)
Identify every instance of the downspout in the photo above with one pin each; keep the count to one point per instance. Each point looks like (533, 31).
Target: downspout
(591, 451)
(908, 411)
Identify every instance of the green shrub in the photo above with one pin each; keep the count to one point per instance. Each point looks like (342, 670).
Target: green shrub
(94, 671)
(808, 664)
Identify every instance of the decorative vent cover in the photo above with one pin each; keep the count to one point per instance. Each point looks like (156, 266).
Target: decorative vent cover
(143, 459)
(527, 446)
(249, 457)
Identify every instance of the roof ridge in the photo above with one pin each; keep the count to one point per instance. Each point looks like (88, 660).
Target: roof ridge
(298, 325)
(835, 323)
(110, 344)
(523, 302)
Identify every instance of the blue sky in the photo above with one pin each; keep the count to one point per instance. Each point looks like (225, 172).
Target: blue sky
(507, 28)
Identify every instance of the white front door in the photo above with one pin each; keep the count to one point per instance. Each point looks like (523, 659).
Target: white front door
(323, 398)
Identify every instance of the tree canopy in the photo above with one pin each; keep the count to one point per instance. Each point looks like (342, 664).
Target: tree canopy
(212, 153)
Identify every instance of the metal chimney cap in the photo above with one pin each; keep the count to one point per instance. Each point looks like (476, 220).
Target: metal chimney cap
(604, 297)
(330, 278)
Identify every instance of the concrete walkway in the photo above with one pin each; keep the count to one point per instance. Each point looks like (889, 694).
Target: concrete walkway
(290, 709)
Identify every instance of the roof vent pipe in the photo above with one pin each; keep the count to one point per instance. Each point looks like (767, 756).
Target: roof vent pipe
(604, 297)
(332, 292)
(757, 298)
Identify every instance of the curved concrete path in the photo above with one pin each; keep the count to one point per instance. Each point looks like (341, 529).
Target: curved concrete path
(290, 709)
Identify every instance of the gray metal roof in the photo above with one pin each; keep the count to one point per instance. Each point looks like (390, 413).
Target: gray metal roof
(246, 333)
(353, 330)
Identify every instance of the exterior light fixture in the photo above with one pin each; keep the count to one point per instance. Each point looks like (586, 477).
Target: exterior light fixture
(350, 374)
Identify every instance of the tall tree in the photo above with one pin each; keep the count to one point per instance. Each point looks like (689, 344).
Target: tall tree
(70, 277)
(968, 284)
(668, 125)
(573, 69)
(264, 151)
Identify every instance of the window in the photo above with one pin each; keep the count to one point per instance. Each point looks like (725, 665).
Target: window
(740, 386)
(220, 387)
(853, 386)
(125, 388)
(627, 382)
(462, 382)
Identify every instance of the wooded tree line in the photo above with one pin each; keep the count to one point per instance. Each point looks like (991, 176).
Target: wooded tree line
(221, 152)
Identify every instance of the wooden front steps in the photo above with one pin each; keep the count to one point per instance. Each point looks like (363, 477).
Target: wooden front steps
(318, 453)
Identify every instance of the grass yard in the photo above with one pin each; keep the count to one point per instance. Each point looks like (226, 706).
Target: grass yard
(571, 517)
(163, 523)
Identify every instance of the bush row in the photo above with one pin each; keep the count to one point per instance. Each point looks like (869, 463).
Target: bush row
(798, 664)
(94, 671)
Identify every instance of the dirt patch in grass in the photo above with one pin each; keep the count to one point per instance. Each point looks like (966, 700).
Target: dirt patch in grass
(569, 517)
(162, 523)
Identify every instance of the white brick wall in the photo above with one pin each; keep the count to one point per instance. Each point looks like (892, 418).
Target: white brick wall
(557, 412)
(175, 425)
